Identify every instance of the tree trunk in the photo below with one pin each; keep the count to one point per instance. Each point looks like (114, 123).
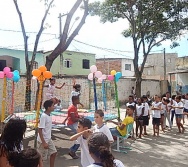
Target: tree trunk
(28, 91)
(138, 84)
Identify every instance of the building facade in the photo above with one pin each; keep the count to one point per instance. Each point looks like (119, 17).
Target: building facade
(124, 65)
(156, 65)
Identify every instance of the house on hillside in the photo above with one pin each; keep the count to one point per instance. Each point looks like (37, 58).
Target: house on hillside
(181, 75)
(68, 63)
(155, 66)
(124, 65)
(72, 63)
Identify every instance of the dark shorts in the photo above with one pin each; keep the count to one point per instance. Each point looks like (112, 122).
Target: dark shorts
(145, 120)
(185, 110)
(156, 121)
(139, 118)
(162, 114)
(179, 115)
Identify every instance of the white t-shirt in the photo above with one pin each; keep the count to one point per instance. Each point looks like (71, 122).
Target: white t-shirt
(46, 125)
(73, 93)
(156, 113)
(50, 91)
(146, 109)
(86, 159)
(185, 104)
(104, 129)
(130, 104)
(178, 110)
(139, 110)
(118, 163)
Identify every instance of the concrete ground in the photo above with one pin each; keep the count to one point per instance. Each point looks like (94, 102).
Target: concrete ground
(168, 150)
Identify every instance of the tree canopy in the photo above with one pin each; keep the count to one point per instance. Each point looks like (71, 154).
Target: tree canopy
(150, 23)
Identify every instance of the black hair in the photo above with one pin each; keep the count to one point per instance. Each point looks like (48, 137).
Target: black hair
(166, 100)
(74, 98)
(52, 79)
(183, 96)
(173, 97)
(144, 97)
(76, 86)
(100, 112)
(131, 96)
(85, 122)
(26, 158)
(99, 145)
(178, 97)
(48, 103)
(12, 136)
(131, 107)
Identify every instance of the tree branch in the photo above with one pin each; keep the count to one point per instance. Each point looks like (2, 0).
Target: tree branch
(23, 33)
(39, 33)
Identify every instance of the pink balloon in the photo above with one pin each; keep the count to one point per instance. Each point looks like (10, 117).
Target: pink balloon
(2, 74)
(90, 76)
(93, 68)
(98, 74)
(103, 76)
(110, 77)
(6, 70)
(9, 75)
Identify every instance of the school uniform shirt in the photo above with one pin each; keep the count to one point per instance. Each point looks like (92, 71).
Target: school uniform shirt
(46, 126)
(86, 159)
(117, 163)
(50, 91)
(104, 129)
(139, 110)
(146, 109)
(185, 103)
(178, 110)
(156, 113)
(163, 108)
(130, 104)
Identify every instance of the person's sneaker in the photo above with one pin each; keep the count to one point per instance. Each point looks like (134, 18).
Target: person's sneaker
(73, 155)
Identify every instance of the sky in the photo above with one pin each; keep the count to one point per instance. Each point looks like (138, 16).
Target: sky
(93, 32)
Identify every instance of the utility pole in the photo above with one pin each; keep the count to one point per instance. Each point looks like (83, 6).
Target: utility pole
(164, 52)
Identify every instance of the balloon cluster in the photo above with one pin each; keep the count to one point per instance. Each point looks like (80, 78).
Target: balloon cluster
(116, 75)
(98, 74)
(15, 75)
(41, 73)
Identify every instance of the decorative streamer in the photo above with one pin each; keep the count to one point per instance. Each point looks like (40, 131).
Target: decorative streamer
(95, 93)
(104, 94)
(4, 99)
(12, 101)
(117, 100)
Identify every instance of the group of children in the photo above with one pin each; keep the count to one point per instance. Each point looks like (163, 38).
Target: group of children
(162, 109)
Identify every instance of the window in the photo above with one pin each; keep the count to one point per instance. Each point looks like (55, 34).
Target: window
(85, 64)
(128, 67)
(67, 63)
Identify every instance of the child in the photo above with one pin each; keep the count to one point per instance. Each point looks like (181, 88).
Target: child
(82, 135)
(139, 112)
(100, 126)
(163, 110)
(11, 139)
(121, 128)
(185, 110)
(174, 103)
(45, 144)
(99, 149)
(51, 88)
(156, 107)
(179, 114)
(58, 106)
(146, 115)
(26, 158)
(72, 123)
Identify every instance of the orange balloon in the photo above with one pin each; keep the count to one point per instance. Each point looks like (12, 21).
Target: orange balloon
(41, 78)
(47, 74)
(36, 73)
(42, 68)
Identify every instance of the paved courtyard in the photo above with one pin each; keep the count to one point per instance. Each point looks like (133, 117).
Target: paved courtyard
(168, 150)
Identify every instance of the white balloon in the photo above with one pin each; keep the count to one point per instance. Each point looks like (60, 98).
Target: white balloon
(103, 76)
(93, 68)
(34, 78)
(98, 74)
(100, 80)
(90, 76)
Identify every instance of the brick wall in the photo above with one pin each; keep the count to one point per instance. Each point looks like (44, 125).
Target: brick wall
(106, 65)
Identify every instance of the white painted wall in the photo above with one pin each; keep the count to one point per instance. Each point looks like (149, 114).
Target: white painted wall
(127, 73)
